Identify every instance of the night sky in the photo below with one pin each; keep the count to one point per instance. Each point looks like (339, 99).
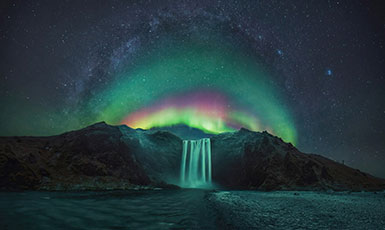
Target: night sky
(311, 72)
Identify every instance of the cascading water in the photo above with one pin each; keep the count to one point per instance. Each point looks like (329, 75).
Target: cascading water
(196, 163)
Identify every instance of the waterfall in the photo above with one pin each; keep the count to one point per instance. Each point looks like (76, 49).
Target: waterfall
(196, 163)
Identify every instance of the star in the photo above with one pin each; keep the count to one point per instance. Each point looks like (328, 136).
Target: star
(329, 72)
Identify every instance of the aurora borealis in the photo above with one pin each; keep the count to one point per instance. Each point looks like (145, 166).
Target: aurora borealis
(195, 86)
(311, 73)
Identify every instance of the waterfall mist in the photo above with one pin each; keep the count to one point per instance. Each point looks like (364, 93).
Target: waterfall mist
(196, 164)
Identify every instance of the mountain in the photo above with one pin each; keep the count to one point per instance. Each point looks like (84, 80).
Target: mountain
(255, 160)
(118, 157)
(97, 157)
(185, 132)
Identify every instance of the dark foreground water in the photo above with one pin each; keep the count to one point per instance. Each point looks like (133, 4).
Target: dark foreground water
(191, 209)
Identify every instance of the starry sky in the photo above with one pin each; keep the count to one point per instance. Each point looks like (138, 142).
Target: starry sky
(311, 72)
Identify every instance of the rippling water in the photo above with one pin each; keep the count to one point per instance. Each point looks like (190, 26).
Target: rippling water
(191, 209)
(164, 209)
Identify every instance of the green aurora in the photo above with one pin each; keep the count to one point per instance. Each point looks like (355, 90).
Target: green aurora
(189, 67)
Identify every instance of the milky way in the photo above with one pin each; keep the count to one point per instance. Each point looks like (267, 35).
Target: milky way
(309, 72)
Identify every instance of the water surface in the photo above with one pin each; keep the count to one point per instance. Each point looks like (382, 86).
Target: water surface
(163, 209)
(191, 209)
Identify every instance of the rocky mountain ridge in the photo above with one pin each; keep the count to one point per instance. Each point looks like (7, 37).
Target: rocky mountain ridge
(102, 157)
(253, 160)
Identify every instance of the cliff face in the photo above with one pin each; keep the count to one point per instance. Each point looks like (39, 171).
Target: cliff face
(252, 160)
(97, 157)
(158, 152)
(118, 157)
